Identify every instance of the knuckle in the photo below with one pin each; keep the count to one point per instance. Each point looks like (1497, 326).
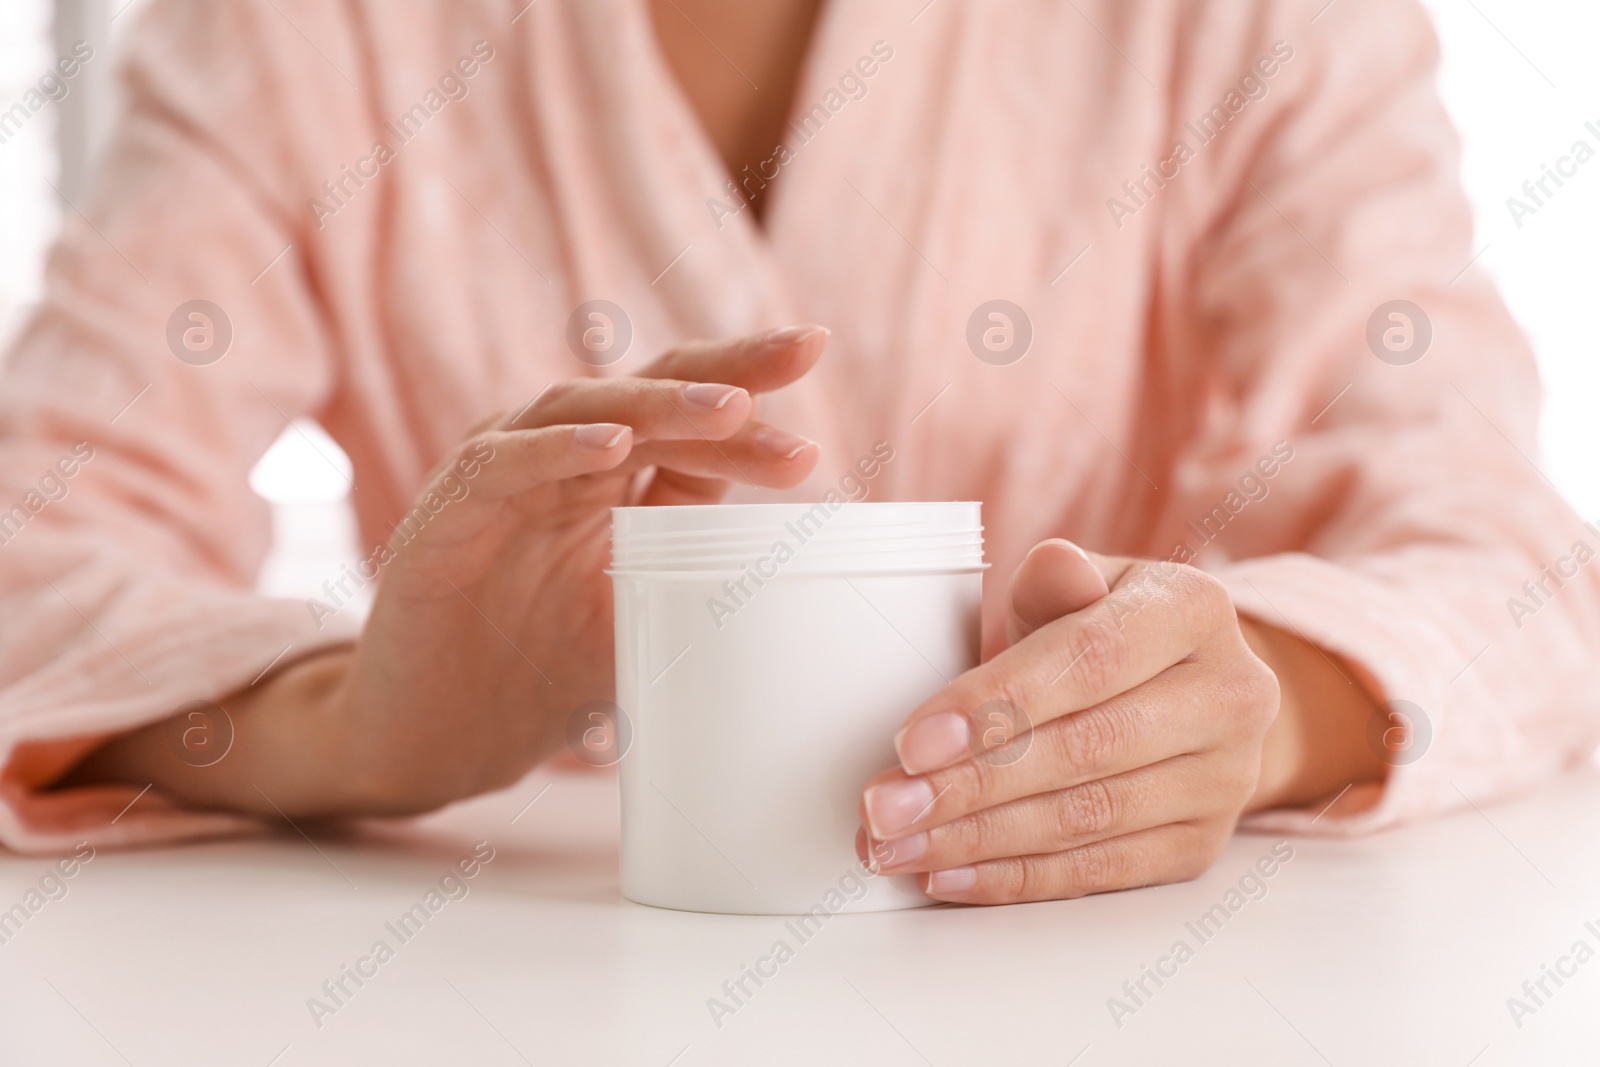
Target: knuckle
(555, 393)
(971, 784)
(1202, 586)
(1250, 695)
(1087, 810)
(1094, 739)
(1008, 689)
(1204, 594)
(470, 454)
(1021, 881)
(667, 364)
(749, 346)
(956, 841)
(1105, 654)
(1002, 716)
(1091, 868)
(640, 395)
(1265, 694)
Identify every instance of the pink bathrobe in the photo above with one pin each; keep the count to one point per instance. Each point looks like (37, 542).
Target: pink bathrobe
(1200, 207)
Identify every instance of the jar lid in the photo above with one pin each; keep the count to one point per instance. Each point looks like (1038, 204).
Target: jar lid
(811, 538)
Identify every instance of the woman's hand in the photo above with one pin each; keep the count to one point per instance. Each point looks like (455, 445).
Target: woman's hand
(495, 625)
(493, 621)
(1148, 712)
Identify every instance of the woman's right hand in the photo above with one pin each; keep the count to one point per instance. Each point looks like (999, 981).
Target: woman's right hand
(492, 622)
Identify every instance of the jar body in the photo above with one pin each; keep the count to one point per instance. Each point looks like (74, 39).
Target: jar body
(758, 713)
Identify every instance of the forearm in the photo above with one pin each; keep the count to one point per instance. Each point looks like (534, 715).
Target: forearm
(292, 751)
(1318, 745)
(289, 752)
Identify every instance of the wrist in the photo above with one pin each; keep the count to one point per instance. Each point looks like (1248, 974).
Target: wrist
(280, 738)
(296, 741)
(1317, 746)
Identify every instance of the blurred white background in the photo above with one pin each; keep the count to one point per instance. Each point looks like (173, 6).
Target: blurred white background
(1518, 76)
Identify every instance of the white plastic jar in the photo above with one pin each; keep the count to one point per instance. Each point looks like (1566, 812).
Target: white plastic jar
(766, 656)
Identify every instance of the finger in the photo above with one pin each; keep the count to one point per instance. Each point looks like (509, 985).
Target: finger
(758, 455)
(690, 472)
(674, 488)
(514, 461)
(1055, 579)
(760, 363)
(1184, 709)
(658, 410)
(1172, 853)
(1176, 790)
(1151, 620)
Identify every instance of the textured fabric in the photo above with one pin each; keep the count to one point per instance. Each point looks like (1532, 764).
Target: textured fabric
(1180, 330)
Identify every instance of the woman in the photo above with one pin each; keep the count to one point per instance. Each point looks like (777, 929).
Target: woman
(1184, 284)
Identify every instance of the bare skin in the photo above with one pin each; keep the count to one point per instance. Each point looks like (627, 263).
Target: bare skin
(713, 47)
(492, 626)
(1157, 718)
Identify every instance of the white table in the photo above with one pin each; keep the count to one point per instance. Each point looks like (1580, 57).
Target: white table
(1399, 949)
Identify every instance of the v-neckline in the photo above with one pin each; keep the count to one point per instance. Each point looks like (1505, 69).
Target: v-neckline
(763, 231)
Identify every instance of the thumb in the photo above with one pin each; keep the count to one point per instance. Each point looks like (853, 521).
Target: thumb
(1056, 578)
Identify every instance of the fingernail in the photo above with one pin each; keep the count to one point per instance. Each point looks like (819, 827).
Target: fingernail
(1072, 545)
(955, 880)
(1064, 543)
(787, 445)
(933, 742)
(788, 335)
(599, 434)
(710, 395)
(893, 806)
(890, 855)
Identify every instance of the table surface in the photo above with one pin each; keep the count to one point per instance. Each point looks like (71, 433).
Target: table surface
(1398, 949)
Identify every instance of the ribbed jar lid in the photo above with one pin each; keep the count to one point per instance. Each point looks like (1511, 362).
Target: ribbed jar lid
(817, 538)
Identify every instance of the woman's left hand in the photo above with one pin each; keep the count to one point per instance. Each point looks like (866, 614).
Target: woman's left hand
(1147, 711)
